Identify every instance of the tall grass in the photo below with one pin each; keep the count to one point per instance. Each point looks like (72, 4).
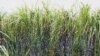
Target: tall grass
(50, 33)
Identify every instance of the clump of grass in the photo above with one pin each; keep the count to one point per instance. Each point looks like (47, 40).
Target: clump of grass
(51, 33)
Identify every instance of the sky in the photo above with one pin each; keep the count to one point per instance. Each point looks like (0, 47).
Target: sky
(13, 5)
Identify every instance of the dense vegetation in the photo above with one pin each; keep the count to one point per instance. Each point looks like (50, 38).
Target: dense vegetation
(50, 33)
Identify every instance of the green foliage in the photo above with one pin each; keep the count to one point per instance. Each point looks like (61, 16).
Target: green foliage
(39, 32)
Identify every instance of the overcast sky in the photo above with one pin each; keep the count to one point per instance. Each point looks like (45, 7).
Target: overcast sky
(12, 5)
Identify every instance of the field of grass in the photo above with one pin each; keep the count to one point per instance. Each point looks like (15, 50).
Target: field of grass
(50, 33)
